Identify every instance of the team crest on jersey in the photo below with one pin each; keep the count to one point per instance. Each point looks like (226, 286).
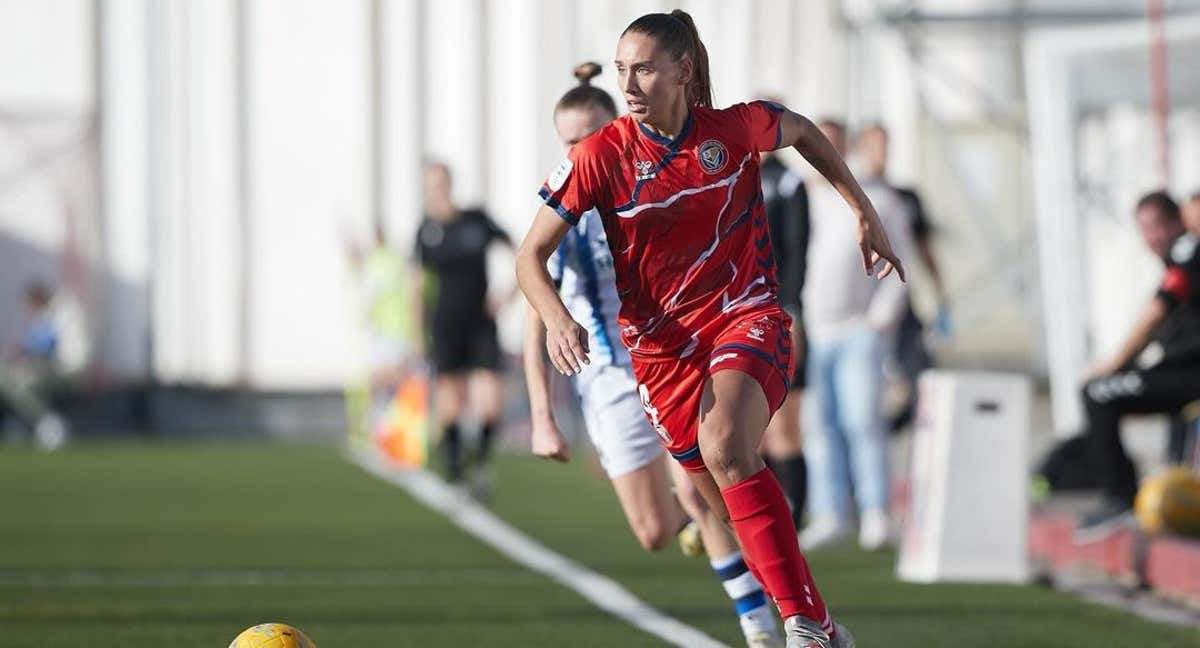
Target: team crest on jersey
(713, 156)
(643, 170)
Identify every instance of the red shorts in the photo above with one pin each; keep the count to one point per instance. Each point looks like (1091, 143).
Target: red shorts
(758, 344)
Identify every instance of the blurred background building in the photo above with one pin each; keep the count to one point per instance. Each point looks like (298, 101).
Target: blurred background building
(186, 172)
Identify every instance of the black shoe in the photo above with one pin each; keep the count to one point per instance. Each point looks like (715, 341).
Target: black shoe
(452, 463)
(479, 483)
(1111, 516)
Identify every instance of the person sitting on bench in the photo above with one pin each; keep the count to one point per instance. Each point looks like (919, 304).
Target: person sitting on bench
(1117, 387)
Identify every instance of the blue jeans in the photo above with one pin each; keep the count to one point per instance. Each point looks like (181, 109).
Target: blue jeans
(844, 440)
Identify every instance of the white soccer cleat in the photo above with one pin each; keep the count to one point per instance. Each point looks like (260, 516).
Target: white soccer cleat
(761, 628)
(51, 432)
(844, 639)
(764, 640)
(806, 633)
(874, 530)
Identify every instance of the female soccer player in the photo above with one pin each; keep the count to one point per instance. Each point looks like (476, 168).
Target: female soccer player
(641, 475)
(676, 184)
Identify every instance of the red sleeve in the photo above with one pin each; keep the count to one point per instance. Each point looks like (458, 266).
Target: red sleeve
(573, 186)
(1176, 286)
(763, 123)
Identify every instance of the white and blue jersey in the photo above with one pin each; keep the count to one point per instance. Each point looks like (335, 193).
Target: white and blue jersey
(582, 268)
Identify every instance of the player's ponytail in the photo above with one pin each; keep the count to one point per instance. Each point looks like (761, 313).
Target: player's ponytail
(585, 95)
(676, 33)
(585, 72)
(700, 88)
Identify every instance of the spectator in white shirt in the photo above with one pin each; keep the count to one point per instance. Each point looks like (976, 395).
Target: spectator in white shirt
(850, 320)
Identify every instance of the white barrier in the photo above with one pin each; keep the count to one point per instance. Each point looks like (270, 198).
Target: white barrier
(968, 504)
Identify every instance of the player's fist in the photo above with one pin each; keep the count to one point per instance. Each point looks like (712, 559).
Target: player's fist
(548, 442)
(567, 345)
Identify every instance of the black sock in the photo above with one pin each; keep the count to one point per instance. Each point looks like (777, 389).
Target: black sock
(486, 433)
(792, 474)
(452, 451)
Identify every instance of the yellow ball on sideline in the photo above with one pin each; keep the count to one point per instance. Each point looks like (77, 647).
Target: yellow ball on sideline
(1170, 502)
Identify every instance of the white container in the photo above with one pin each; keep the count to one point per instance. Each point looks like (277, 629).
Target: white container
(968, 513)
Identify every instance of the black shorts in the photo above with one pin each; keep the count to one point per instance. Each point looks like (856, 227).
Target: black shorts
(799, 363)
(464, 342)
(799, 378)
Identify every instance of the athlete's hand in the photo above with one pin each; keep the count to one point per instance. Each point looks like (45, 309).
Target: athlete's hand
(548, 442)
(873, 241)
(567, 346)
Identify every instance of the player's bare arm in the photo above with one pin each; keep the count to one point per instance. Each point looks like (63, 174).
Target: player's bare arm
(803, 135)
(566, 340)
(546, 439)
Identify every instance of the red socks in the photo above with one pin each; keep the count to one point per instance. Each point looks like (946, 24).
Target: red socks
(763, 523)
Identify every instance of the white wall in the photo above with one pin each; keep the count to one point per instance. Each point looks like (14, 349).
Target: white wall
(403, 135)
(246, 271)
(310, 170)
(48, 46)
(124, 337)
(233, 162)
(193, 203)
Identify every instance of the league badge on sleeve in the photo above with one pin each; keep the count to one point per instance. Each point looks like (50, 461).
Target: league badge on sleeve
(560, 175)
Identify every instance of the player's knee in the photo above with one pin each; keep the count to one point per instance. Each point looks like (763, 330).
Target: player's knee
(651, 534)
(691, 500)
(450, 399)
(491, 405)
(720, 446)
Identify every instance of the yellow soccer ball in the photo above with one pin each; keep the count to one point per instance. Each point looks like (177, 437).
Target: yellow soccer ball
(1170, 502)
(272, 635)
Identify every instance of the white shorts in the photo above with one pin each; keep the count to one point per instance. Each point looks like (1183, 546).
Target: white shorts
(616, 424)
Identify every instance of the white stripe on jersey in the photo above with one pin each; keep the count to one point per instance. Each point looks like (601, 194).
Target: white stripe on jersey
(690, 191)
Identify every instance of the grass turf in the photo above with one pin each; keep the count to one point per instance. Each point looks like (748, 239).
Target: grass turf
(138, 545)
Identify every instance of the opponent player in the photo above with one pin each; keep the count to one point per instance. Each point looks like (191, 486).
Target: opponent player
(641, 475)
(677, 186)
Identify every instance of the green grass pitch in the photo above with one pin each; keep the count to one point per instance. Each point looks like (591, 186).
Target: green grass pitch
(143, 545)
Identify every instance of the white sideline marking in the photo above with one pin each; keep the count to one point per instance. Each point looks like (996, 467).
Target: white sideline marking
(603, 592)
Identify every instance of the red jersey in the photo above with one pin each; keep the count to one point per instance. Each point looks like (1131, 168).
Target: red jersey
(684, 218)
